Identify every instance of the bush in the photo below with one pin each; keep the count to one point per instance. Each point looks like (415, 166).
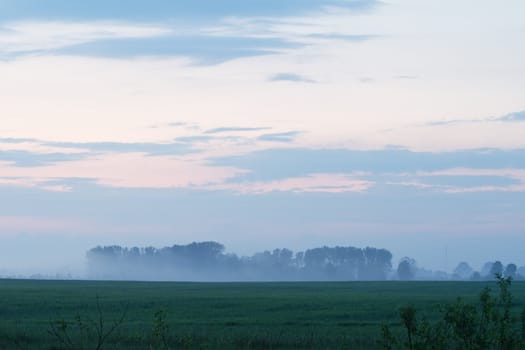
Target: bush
(488, 324)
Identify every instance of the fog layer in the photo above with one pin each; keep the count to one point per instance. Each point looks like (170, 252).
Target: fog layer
(207, 261)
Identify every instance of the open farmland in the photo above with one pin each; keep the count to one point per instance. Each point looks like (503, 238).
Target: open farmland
(220, 315)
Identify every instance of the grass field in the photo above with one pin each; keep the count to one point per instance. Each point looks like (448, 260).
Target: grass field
(222, 315)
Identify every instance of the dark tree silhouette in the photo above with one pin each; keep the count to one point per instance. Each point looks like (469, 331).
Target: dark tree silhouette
(463, 271)
(510, 271)
(406, 269)
(476, 276)
(497, 269)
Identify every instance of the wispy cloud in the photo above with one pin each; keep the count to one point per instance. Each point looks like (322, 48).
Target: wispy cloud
(290, 77)
(24, 158)
(511, 117)
(34, 182)
(339, 36)
(234, 129)
(517, 175)
(226, 36)
(127, 170)
(279, 137)
(36, 147)
(182, 146)
(296, 162)
(193, 139)
(30, 37)
(406, 77)
(327, 183)
(415, 184)
(506, 172)
(307, 28)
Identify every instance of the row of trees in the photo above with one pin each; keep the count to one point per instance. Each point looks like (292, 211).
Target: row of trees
(465, 272)
(407, 270)
(207, 261)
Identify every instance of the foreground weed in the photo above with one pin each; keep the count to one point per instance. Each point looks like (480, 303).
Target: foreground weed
(486, 325)
(84, 331)
(161, 330)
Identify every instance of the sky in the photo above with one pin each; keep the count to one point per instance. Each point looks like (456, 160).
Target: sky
(262, 124)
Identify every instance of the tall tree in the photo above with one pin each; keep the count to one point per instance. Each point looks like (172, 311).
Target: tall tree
(463, 271)
(497, 269)
(406, 269)
(510, 271)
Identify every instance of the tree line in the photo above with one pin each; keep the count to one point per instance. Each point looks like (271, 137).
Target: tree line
(207, 261)
(407, 270)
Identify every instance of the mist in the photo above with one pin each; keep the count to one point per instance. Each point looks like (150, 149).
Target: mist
(155, 257)
(208, 262)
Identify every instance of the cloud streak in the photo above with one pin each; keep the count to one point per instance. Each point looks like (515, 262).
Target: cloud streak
(127, 170)
(288, 136)
(510, 118)
(189, 163)
(31, 37)
(296, 78)
(224, 37)
(516, 185)
(234, 129)
(321, 183)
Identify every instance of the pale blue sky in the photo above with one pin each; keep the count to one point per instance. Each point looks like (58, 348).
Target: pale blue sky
(261, 124)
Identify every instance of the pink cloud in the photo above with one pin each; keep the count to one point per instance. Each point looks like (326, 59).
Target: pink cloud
(128, 170)
(137, 170)
(37, 147)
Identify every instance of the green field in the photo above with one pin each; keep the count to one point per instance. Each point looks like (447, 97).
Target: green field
(221, 315)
